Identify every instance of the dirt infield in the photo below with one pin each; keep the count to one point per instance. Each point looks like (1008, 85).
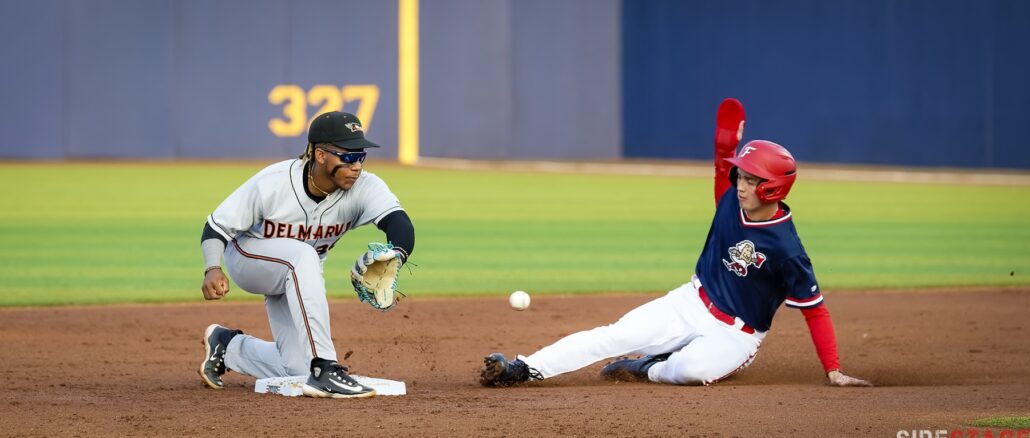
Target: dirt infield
(939, 358)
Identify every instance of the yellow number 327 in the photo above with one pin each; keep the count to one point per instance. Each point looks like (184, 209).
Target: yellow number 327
(295, 104)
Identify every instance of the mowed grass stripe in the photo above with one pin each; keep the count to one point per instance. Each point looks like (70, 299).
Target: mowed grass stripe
(129, 232)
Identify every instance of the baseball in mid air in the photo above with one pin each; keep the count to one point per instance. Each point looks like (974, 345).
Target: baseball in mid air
(519, 300)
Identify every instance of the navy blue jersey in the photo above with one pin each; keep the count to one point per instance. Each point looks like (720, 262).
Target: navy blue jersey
(749, 268)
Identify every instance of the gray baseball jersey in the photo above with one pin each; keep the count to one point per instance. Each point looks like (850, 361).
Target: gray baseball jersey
(278, 240)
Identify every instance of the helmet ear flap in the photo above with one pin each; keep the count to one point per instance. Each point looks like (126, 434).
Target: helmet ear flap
(765, 192)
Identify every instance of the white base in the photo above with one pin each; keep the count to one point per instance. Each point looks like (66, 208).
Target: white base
(293, 386)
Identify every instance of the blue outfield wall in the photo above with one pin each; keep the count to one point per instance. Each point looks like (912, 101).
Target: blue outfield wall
(520, 79)
(900, 82)
(191, 78)
(926, 83)
(32, 80)
(235, 78)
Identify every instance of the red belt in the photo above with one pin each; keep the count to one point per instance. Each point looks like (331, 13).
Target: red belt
(718, 314)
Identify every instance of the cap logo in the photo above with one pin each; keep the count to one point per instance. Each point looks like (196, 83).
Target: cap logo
(747, 150)
(354, 127)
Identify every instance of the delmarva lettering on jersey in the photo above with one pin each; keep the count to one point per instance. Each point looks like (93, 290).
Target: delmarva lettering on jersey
(303, 232)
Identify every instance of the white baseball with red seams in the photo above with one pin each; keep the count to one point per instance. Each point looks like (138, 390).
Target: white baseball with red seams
(519, 300)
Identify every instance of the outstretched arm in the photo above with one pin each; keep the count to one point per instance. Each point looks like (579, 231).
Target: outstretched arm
(399, 232)
(820, 326)
(729, 129)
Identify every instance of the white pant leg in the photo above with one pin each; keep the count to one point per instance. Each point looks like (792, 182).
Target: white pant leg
(717, 351)
(248, 355)
(293, 345)
(262, 357)
(289, 273)
(707, 359)
(655, 327)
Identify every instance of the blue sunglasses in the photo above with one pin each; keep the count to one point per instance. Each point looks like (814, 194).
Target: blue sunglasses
(348, 157)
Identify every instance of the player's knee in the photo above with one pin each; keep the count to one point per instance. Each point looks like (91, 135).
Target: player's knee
(297, 366)
(700, 373)
(304, 258)
(304, 253)
(692, 371)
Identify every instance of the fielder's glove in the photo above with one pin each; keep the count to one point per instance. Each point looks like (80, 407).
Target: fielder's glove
(374, 275)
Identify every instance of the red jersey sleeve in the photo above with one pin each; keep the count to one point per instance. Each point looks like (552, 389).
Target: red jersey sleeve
(722, 175)
(825, 339)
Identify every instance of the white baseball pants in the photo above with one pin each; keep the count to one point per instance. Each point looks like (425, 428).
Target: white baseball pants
(704, 350)
(288, 273)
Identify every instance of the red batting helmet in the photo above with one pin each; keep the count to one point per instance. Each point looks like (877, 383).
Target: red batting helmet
(770, 162)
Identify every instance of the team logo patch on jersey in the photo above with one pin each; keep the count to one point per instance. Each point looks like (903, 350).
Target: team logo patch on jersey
(743, 254)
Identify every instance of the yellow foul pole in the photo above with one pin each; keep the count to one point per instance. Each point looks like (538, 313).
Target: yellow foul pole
(407, 81)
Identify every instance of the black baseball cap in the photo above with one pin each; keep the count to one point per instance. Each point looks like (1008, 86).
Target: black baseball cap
(339, 128)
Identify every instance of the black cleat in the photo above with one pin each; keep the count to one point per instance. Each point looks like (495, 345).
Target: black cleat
(498, 372)
(329, 379)
(216, 339)
(632, 370)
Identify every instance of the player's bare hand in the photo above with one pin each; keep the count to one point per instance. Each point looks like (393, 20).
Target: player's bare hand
(216, 285)
(838, 378)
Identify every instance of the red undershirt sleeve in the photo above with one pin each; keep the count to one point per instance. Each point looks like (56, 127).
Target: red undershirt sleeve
(722, 173)
(821, 328)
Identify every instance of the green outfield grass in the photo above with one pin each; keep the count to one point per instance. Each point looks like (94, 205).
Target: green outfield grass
(105, 233)
(1003, 422)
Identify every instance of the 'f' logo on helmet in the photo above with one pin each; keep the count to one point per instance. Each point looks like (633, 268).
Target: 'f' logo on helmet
(747, 150)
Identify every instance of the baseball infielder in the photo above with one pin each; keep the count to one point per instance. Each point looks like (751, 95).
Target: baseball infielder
(275, 232)
(710, 328)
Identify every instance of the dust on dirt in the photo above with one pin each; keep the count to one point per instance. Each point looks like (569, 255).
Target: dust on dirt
(939, 358)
